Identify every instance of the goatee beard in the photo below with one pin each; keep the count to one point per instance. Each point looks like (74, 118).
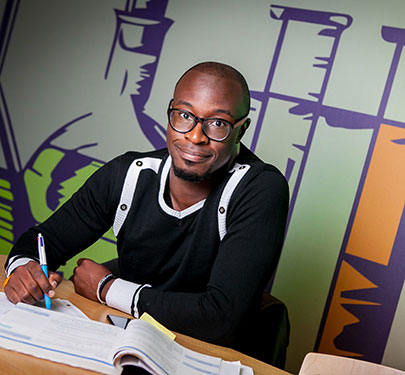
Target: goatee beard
(189, 176)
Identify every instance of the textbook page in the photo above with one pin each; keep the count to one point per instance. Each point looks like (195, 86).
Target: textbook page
(162, 356)
(59, 337)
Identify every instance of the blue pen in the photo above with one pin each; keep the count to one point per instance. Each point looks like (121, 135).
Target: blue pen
(42, 262)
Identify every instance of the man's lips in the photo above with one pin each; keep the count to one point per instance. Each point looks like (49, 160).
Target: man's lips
(192, 155)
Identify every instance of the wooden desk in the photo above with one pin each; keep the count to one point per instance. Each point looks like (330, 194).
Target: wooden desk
(17, 363)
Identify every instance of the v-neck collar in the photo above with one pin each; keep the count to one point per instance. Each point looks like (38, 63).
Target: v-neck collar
(164, 206)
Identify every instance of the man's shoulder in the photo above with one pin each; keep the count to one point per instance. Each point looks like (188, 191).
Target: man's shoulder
(248, 157)
(263, 182)
(134, 155)
(119, 166)
(126, 159)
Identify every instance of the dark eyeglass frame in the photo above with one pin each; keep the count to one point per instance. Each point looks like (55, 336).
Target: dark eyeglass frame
(202, 120)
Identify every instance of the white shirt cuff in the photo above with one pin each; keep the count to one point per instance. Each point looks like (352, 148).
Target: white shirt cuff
(14, 264)
(124, 295)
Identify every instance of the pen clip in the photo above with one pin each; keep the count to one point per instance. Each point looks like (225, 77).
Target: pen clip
(41, 249)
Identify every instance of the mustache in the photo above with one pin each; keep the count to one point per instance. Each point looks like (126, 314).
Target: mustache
(193, 151)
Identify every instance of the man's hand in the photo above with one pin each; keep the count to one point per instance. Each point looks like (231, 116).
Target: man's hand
(86, 277)
(28, 284)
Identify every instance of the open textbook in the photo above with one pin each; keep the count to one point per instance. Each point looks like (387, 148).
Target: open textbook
(102, 347)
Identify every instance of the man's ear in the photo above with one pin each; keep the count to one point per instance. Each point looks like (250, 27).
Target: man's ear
(242, 130)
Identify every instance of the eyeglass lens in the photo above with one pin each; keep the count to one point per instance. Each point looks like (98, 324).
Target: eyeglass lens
(214, 128)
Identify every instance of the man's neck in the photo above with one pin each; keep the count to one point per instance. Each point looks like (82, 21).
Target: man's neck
(184, 194)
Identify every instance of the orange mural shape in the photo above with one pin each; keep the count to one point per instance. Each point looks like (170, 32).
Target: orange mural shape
(349, 279)
(382, 201)
(373, 233)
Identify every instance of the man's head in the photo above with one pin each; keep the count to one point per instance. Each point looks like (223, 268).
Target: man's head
(207, 91)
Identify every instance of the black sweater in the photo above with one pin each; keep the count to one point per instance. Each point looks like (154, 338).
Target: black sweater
(201, 285)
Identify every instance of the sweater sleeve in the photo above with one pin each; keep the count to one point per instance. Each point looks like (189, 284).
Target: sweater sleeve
(82, 220)
(245, 262)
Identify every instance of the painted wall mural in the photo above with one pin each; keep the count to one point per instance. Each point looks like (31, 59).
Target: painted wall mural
(373, 236)
(118, 56)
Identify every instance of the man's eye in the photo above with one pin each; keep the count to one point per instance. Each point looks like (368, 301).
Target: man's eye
(218, 123)
(184, 115)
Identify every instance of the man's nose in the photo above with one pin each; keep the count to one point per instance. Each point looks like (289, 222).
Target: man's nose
(197, 135)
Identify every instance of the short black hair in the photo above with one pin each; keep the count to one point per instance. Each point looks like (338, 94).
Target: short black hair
(225, 71)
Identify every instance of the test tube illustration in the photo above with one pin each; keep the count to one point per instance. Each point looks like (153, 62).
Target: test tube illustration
(141, 31)
(315, 36)
(369, 273)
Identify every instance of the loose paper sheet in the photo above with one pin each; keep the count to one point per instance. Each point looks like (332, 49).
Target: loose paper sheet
(59, 305)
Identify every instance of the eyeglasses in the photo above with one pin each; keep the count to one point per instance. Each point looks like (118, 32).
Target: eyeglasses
(213, 128)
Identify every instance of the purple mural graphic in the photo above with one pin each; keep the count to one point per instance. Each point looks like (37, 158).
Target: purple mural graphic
(155, 26)
(375, 319)
(389, 278)
(13, 190)
(334, 24)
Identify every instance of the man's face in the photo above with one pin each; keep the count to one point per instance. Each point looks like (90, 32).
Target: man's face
(195, 157)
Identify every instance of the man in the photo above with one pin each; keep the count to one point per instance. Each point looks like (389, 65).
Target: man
(199, 225)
